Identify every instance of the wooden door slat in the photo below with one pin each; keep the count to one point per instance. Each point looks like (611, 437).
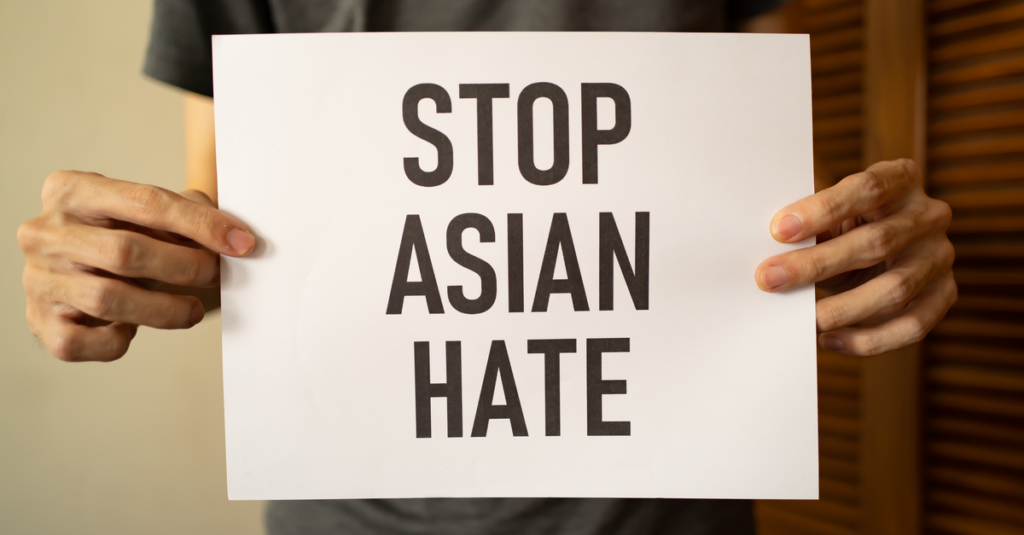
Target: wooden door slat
(997, 458)
(837, 406)
(976, 71)
(980, 405)
(1009, 91)
(960, 525)
(985, 303)
(839, 105)
(989, 224)
(843, 125)
(987, 507)
(835, 84)
(838, 448)
(976, 430)
(969, 376)
(984, 121)
(822, 5)
(834, 19)
(843, 147)
(843, 167)
(983, 199)
(977, 327)
(839, 469)
(979, 147)
(839, 491)
(975, 353)
(999, 484)
(834, 62)
(940, 6)
(981, 172)
(839, 40)
(839, 426)
(837, 363)
(988, 277)
(990, 250)
(839, 385)
(985, 44)
(977, 21)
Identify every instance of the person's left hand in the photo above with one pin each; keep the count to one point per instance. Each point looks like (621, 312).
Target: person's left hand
(883, 263)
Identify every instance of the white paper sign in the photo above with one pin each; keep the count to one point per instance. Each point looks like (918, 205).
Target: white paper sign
(514, 265)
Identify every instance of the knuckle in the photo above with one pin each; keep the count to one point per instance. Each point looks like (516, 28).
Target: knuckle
(916, 330)
(944, 215)
(829, 208)
(28, 280)
(881, 241)
(910, 170)
(189, 272)
(199, 221)
(872, 184)
(178, 313)
(120, 252)
(947, 253)
(57, 185)
(901, 291)
(864, 345)
(953, 290)
(145, 199)
(116, 348)
(30, 318)
(65, 347)
(99, 298)
(830, 315)
(819, 266)
(30, 235)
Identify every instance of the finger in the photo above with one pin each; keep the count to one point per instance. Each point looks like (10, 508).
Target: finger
(160, 209)
(889, 291)
(198, 196)
(115, 300)
(855, 195)
(133, 255)
(918, 319)
(863, 247)
(71, 342)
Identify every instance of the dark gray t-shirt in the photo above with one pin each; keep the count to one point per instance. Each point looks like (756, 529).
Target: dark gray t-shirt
(179, 54)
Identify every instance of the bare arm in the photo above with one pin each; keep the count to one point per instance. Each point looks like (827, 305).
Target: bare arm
(200, 150)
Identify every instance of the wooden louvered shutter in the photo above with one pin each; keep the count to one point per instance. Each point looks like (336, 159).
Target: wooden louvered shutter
(836, 28)
(973, 364)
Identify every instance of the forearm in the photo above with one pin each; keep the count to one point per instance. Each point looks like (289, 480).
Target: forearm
(200, 148)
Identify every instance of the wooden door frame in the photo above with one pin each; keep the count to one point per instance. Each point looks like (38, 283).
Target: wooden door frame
(894, 127)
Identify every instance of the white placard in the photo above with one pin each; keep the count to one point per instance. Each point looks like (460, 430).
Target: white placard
(599, 292)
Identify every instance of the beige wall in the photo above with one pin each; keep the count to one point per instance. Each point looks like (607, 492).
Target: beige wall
(136, 446)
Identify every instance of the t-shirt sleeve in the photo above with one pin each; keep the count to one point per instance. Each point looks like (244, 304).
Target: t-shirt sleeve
(740, 10)
(179, 50)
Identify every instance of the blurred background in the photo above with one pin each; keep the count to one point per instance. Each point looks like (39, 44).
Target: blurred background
(136, 446)
(927, 440)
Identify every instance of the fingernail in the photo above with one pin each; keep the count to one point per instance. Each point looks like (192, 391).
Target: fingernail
(774, 276)
(197, 315)
(241, 241)
(831, 343)
(787, 227)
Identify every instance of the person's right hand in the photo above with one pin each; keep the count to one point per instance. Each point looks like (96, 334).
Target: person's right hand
(92, 254)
